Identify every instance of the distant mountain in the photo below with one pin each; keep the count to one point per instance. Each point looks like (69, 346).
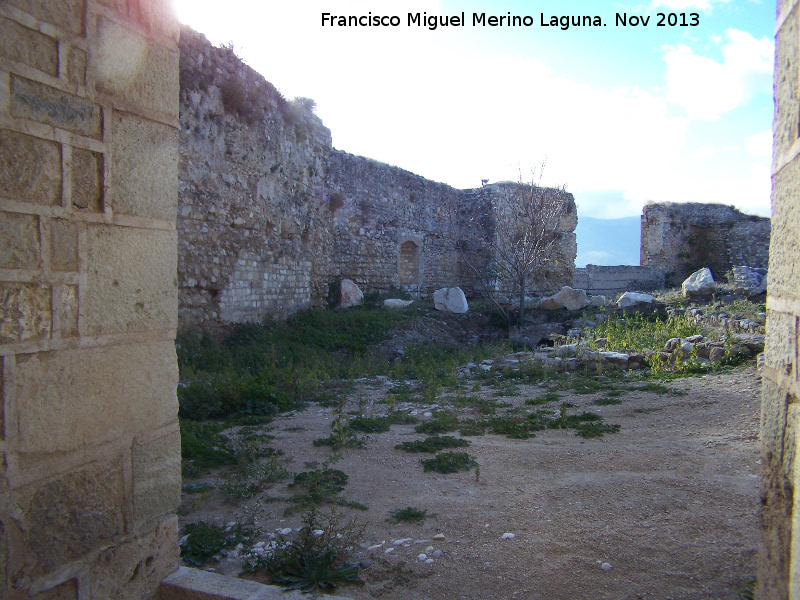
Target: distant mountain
(608, 242)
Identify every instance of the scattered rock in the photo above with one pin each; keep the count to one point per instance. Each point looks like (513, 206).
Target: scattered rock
(365, 564)
(601, 342)
(437, 554)
(439, 536)
(605, 566)
(422, 557)
(716, 354)
(397, 303)
(568, 298)
(450, 300)
(633, 298)
(508, 536)
(699, 283)
(597, 300)
(349, 294)
(749, 280)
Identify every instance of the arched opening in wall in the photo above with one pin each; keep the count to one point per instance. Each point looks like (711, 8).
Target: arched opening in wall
(408, 267)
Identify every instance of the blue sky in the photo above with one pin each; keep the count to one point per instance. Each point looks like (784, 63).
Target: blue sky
(622, 115)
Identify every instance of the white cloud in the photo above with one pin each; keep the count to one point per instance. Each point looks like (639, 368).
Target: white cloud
(706, 89)
(703, 5)
(760, 144)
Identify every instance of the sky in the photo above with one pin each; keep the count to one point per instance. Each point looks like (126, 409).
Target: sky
(621, 115)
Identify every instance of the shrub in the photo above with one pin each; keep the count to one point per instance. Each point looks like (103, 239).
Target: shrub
(449, 462)
(407, 515)
(204, 540)
(433, 444)
(316, 558)
(442, 424)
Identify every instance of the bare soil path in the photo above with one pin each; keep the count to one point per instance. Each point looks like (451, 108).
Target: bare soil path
(669, 503)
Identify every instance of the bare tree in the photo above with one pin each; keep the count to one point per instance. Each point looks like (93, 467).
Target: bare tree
(509, 242)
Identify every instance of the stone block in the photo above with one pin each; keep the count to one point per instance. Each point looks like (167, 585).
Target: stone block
(784, 268)
(77, 398)
(774, 407)
(30, 169)
(63, 245)
(28, 46)
(126, 64)
(64, 591)
(156, 477)
(68, 310)
(63, 519)
(64, 14)
(76, 66)
(131, 280)
(786, 87)
(19, 243)
(25, 312)
(87, 180)
(790, 438)
(780, 343)
(144, 166)
(134, 570)
(39, 102)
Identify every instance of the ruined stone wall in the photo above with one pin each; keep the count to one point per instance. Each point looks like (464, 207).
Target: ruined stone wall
(269, 215)
(605, 280)
(779, 555)
(254, 225)
(391, 227)
(90, 472)
(678, 239)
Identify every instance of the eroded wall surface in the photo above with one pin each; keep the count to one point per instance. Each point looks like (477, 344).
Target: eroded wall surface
(779, 556)
(90, 476)
(678, 239)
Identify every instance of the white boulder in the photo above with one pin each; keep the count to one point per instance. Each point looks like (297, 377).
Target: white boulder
(699, 283)
(349, 294)
(397, 303)
(633, 298)
(450, 300)
(568, 298)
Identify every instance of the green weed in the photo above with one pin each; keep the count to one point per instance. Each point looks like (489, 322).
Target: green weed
(408, 515)
(433, 444)
(449, 462)
(443, 424)
(206, 539)
(548, 397)
(316, 558)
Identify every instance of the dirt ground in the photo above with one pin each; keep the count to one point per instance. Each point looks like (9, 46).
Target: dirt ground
(669, 503)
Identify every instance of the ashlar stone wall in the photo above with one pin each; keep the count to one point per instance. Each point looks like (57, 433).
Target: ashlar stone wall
(677, 239)
(779, 556)
(90, 469)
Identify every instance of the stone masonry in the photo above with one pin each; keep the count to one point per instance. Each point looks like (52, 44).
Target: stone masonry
(779, 556)
(270, 216)
(678, 239)
(90, 469)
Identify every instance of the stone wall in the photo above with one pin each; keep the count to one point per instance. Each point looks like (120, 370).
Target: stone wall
(603, 280)
(779, 556)
(90, 472)
(254, 225)
(678, 239)
(270, 215)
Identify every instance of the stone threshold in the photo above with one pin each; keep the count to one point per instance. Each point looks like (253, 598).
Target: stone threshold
(194, 584)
